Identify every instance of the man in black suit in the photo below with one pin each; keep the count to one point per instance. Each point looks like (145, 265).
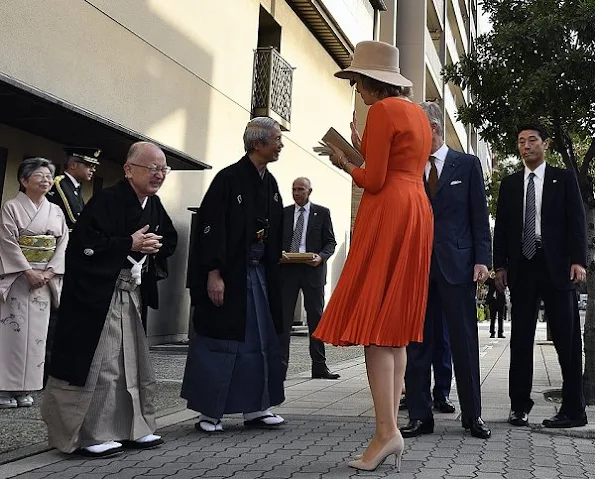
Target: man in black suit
(496, 301)
(460, 257)
(80, 166)
(307, 228)
(540, 249)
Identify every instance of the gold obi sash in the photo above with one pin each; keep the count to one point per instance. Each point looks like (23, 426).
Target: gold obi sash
(37, 248)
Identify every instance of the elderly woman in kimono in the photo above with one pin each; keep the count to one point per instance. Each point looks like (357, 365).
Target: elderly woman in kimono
(33, 238)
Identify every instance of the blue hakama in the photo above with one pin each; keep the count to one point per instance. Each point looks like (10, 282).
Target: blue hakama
(227, 376)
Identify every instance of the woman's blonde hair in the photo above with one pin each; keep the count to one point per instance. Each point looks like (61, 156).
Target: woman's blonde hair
(381, 89)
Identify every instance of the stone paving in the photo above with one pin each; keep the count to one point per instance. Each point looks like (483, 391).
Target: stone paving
(23, 432)
(329, 421)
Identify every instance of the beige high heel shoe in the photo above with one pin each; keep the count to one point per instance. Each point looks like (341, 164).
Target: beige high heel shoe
(393, 447)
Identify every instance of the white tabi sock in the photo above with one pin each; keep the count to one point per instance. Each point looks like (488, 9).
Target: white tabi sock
(148, 438)
(209, 424)
(266, 416)
(106, 446)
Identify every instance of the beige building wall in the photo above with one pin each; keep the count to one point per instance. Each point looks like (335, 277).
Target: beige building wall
(21, 144)
(429, 35)
(180, 72)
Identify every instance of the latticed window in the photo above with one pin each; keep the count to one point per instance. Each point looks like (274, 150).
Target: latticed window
(272, 83)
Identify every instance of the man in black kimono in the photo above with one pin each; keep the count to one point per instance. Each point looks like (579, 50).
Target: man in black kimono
(81, 163)
(99, 396)
(234, 365)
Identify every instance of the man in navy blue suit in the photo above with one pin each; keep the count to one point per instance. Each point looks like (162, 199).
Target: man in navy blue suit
(441, 366)
(460, 257)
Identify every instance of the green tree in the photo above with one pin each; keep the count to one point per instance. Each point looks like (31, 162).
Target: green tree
(538, 64)
(504, 168)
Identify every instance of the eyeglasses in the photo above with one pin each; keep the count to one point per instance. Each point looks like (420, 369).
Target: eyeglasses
(41, 176)
(153, 169)
(88, 165)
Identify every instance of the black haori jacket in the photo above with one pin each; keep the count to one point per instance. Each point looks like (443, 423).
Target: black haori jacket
(227, 222)
(96, 252)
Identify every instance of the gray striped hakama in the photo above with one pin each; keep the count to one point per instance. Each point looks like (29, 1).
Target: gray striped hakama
(116, 402)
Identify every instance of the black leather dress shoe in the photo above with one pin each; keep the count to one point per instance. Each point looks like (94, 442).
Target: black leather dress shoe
(562, 420)
(445, 406)
(518, 418)
(501, 336)
(478, 428)
(417, 427)
(324, 374)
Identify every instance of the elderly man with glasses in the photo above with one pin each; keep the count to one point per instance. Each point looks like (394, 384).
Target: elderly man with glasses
(99, 396)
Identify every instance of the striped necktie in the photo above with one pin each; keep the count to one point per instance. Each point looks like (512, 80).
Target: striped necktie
(296, 239)
(529, 244)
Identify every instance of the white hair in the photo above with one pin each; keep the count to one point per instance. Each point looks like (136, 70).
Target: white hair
(434, 114)
(258, 130)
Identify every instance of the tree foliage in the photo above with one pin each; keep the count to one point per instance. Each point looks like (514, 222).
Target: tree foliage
(536, 64)
(504, 168)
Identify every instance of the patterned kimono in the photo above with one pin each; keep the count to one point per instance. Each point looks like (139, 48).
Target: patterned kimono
(30, 237)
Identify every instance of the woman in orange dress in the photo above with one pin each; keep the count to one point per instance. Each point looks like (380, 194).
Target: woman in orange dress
(380, 299)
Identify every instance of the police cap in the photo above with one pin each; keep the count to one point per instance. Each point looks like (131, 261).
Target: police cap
(84, 154)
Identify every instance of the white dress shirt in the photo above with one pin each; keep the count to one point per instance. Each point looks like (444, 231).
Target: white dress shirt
(73, 179)
(296, 215)
(440, 159)
(538, 182)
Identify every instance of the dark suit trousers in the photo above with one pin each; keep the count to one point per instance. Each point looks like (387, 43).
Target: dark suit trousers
(496, 311)
(458, 304)
(295, 278)
(532, 284)
(441, 358)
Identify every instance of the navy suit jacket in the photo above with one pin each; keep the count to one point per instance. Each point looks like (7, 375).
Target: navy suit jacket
(462, 236)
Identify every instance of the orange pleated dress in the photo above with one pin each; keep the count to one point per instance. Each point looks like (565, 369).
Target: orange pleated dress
(380, 298)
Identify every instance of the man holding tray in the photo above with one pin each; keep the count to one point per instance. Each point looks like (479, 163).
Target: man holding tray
(307, 229)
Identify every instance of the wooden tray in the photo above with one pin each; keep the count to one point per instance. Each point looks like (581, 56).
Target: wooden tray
(297, 258)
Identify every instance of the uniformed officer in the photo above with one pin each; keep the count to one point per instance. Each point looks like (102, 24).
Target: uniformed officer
(80, 166)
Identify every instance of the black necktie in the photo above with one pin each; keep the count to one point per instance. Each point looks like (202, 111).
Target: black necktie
(296, 239)
(529, 247)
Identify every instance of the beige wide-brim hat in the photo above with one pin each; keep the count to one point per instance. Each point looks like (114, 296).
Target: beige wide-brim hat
(376, 60)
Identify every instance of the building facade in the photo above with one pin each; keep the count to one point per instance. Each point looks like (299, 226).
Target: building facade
(188, 75)
(431, 34)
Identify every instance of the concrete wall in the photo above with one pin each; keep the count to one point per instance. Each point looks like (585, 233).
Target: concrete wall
(21, 144)
(411, 28)
(179, 72)
(356, 18)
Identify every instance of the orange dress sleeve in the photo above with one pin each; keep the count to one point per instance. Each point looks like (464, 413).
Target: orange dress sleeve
(376, 145)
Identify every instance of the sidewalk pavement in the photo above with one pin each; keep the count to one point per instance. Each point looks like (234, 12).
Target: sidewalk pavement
(329, 421)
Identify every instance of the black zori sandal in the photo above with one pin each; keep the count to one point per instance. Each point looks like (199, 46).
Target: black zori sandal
(209, 424)
(266, 421)
(106, 449)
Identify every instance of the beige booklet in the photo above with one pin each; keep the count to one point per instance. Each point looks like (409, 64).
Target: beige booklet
(334, 137)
